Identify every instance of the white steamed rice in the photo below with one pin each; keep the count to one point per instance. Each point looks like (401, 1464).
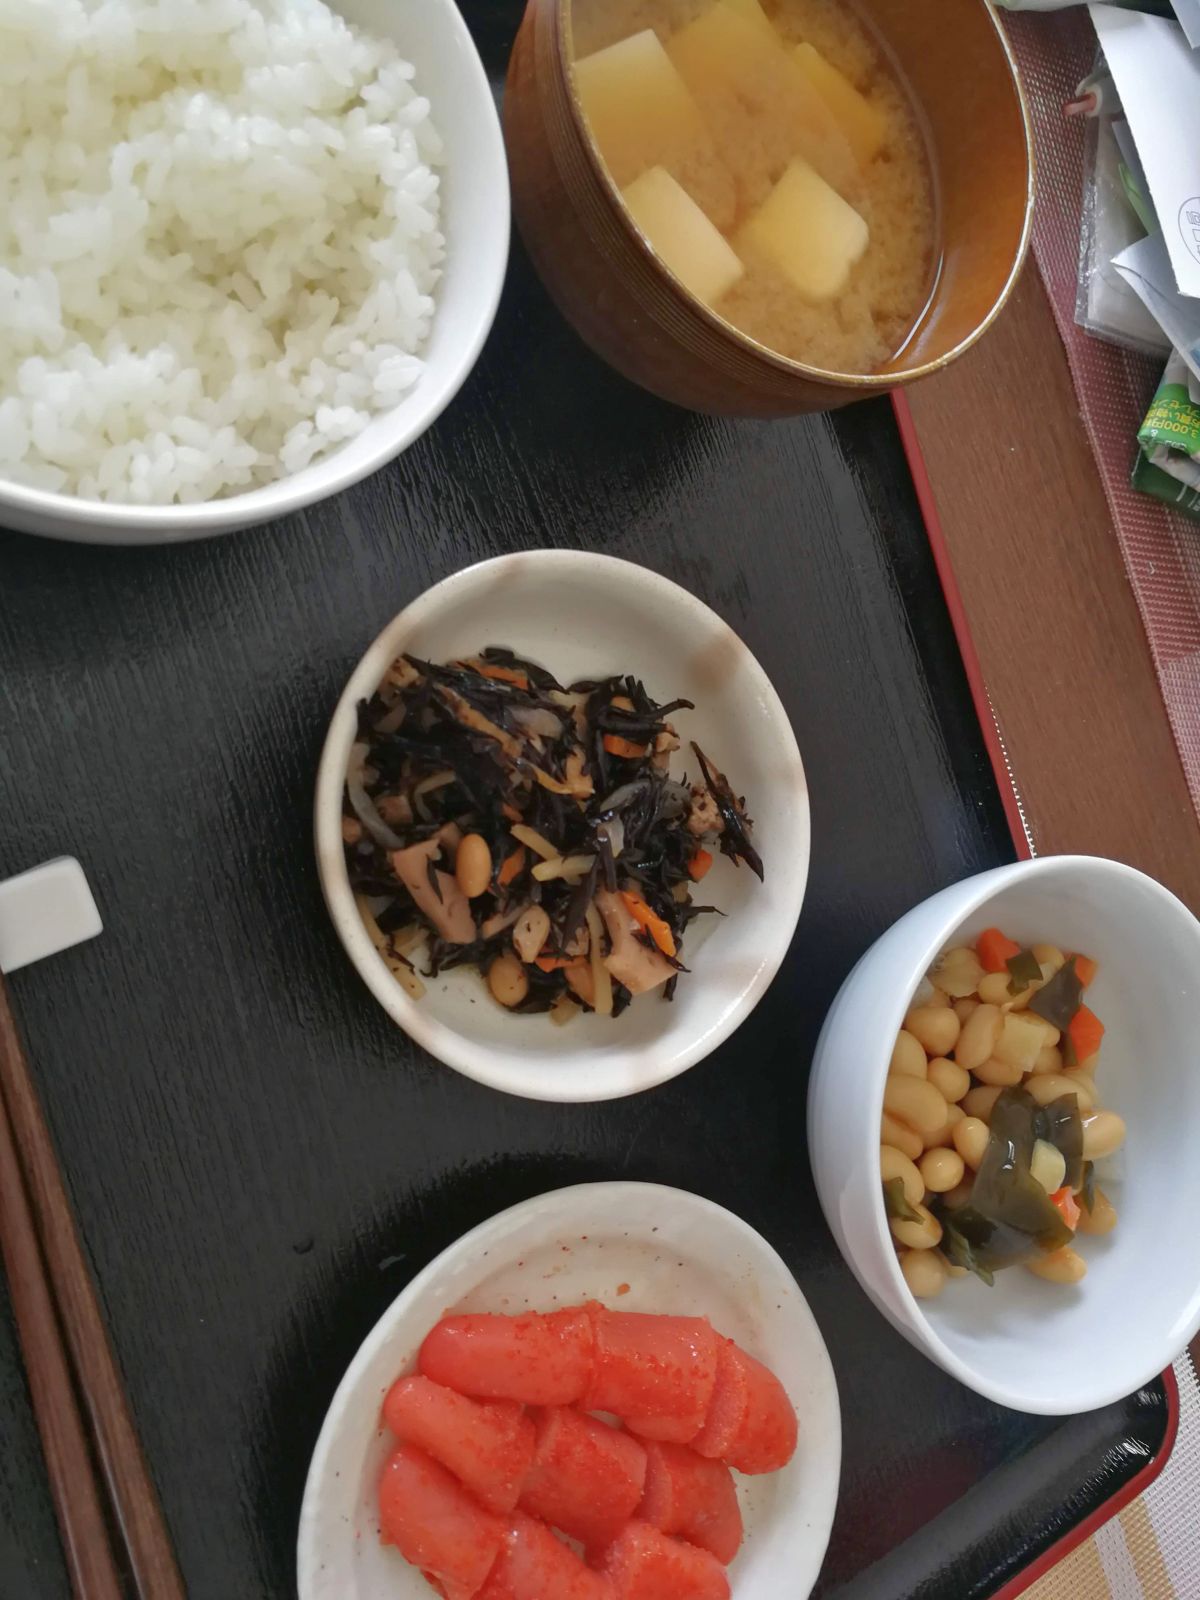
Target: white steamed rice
(219, 241)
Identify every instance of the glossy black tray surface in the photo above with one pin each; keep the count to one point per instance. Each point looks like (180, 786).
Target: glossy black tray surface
(260, 1160)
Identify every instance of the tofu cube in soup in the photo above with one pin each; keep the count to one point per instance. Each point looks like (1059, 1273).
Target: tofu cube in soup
(806, 231)
(641, 114)
(682, 236)
(753, 12)
(863, 125)
(760, 107)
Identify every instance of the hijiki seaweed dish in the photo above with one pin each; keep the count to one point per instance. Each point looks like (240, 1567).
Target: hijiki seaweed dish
(496, 819)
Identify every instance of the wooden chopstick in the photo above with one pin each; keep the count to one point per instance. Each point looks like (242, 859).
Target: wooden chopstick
(131, 1492)
(64, 1443)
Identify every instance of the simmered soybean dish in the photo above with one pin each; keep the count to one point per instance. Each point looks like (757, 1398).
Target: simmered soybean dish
(531, 830)
(993, 1132)
(772, 157)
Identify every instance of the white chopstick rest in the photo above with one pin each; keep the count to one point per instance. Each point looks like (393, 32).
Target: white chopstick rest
(45, 910)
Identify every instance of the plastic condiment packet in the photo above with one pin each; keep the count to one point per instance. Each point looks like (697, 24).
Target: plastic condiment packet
(1146, 267)
(1106, 305)
(1152, 480)
(1170, 435)
(1157, 8)
(1158, 77)
(1188, 12)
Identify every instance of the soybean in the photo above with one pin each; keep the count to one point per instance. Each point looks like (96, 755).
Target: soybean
(901, 1137)
(908, 1056)
(958, 974)
(1049, 1059)
(942, 1170)
(993, 990)
(978, 1037)
(916, 1102)
(922, 1235)
(949, 1079)
(473, 865)
(1085, 1082)
(1059, 1266)
(893, 1164)
(924, 1272)
(1053, 1034)
(979, 1102)
(1103, 1133)
(999, 1074)
(1047, 1086)
(936, 1028)
(508, 981)
(1102, 1218)
(970, 1138)
(1049, 955)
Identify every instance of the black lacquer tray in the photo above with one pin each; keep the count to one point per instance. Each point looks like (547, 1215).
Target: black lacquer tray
(261, 1161)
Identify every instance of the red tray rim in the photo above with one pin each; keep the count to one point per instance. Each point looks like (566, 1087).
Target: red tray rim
(1015, 816)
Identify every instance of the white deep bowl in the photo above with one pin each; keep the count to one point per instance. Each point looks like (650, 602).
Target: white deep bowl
(584, 616)
(1029, 1344)
(475, 219)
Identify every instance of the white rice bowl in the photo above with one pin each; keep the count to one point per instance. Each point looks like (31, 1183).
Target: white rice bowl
(219, 242)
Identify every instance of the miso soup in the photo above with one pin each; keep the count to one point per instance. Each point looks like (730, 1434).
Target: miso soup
(773, 157)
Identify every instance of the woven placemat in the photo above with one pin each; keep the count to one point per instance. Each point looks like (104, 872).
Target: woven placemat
(1161, 548)
(1151, 1549)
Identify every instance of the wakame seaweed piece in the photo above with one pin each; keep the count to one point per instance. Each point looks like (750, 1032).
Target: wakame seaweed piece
(896, 1202)
(993, 1245)
(1061, 998)
(1010, 1216)
(735, 837)
(1061, 1125)
(958, 1250)
(1087, 1188)
(1023, 969)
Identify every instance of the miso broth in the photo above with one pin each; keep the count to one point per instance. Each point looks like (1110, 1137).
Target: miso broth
(773, 157)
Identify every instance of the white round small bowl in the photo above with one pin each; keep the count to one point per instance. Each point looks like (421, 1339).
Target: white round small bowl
(476, 219)
(632, 1246)
(582, 615)
(1025, 1343)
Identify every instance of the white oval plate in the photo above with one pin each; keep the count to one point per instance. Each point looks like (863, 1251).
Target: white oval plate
(677, 1253)
(584, 615)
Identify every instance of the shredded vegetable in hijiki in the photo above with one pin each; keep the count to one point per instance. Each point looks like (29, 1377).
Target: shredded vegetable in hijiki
(534, 831)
